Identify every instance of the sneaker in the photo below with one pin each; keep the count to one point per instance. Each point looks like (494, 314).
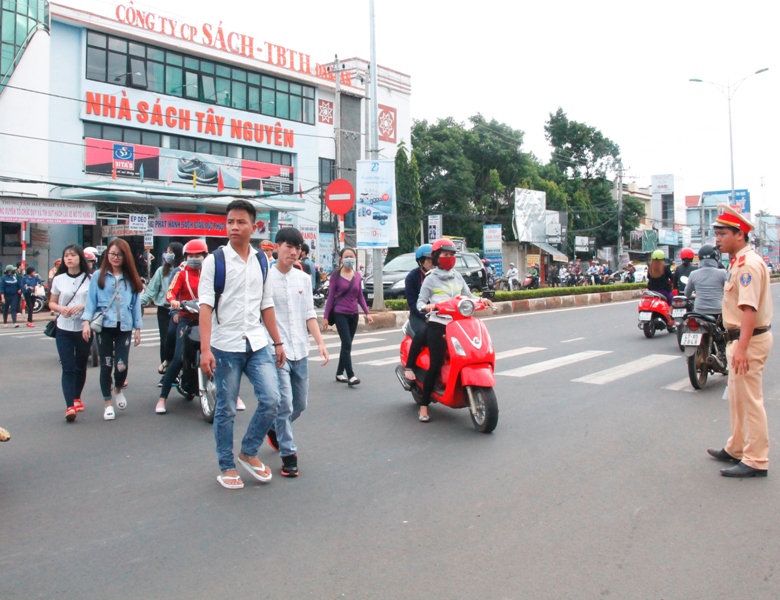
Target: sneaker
(121, 401)
(342, 378)
(30, 325)
(353, 381)
(78, 405)
(272, 441)
(108, 414)
(290, 466)
(70, 414)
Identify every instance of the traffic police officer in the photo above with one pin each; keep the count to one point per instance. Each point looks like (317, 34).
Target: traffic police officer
(747, 316)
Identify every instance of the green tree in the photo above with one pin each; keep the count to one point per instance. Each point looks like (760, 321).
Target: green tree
(407, 189)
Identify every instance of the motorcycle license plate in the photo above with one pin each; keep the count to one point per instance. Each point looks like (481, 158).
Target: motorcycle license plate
(645, 316)
(691, 339)
(370, 296)
(678, 312)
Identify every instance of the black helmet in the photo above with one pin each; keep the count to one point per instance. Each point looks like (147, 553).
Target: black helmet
(709, 251)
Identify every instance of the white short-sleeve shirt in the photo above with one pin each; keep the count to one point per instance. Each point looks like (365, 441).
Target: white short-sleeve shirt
(66, 286)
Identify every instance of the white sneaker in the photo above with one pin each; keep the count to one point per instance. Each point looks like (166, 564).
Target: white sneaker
(121, 401)
(108, 414)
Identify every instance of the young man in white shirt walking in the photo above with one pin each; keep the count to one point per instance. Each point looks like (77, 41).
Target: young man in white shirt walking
(234, 336)
(294, 307)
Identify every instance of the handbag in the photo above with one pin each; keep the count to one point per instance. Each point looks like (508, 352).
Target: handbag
(40, 291)
(51, 327)
(96, 324)
(331, 319)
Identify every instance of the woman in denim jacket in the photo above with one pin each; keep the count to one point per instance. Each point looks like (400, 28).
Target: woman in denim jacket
(122, 319)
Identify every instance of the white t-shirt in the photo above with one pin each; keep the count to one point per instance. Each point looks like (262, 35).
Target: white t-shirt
(65, 287)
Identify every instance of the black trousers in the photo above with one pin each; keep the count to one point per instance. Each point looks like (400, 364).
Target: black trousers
(163, 318)
(346, 325)
(114, 350)
(29, 300)
(419, 340)
(437, 346)
(74, 354)
(169, 339)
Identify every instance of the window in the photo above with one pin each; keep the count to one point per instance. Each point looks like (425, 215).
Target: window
(130, 63)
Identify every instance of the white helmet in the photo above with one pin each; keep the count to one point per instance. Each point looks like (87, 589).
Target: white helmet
(91, 250)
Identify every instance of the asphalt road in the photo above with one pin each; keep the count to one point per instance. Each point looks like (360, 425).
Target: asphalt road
(596, 482)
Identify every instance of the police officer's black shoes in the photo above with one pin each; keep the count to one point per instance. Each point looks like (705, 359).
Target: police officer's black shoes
(721, 455)
(742, 470)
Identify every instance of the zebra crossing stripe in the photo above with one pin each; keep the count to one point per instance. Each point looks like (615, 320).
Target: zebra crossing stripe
(679, 386)
(548, 365)
(517, 352)
(361, 352)
(382, 362)
(626, 369)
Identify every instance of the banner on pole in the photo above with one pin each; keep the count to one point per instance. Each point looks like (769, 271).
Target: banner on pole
(435, 229)
(492, 247)
(376, 212)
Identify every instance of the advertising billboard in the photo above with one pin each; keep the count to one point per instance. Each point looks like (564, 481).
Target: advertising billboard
(530, 215)
(376, 211)
(46, 211)
(491, 247)
(724, 197)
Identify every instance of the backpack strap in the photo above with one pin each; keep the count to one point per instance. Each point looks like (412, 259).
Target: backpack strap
(220, 273)
(263, 263)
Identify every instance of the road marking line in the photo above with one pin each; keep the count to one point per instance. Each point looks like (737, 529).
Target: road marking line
(548, 365)
(365, 351)
(150, 344)
(572, 340)
(354, 343)
(629, 368)
(382, 361)
(679, 386)
(517, 352)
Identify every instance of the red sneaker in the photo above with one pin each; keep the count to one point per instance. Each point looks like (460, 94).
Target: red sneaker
(70, 414)
(30, 325)
(77, 404)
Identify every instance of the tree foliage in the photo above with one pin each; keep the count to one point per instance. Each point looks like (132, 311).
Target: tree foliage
(410, 211)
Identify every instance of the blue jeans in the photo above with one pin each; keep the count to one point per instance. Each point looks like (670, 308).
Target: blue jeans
(114, 350)
(260, 368)
(294, 390)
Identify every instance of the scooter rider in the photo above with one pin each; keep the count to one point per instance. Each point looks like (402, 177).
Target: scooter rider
(183, 286)
(659, 275)
(707, 282)
(442, 283)
(684, 270)
(414, 281)
(511, 276)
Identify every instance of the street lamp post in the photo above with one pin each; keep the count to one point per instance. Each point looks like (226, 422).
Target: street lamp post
(728, 90)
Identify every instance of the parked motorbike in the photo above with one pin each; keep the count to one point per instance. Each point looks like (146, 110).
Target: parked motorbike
(681, 306)
(191, 379)
(321, 295)
(704, 341)
(530, 282)
(654, 313)
(467, 378)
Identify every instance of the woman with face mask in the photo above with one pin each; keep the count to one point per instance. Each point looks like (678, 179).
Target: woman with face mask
(442, 283)
(156, 291)
(184, 286)
(346, 292)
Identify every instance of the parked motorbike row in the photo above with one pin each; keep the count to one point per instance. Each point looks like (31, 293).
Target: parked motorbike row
(701, 337)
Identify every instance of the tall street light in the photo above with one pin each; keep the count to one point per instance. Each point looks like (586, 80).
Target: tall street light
(728, 90)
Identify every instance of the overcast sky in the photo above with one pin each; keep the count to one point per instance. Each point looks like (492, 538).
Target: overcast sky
(622, 67)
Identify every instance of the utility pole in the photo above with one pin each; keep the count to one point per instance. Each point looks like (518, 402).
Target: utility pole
(620, 216)
(379, 283)
(337, 131)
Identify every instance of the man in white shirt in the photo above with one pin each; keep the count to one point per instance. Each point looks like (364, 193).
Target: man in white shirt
(294, 308)
(234, 334)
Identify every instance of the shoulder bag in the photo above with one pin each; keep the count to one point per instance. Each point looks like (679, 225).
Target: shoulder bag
(96, 324)
(331, 319)
(51, 327)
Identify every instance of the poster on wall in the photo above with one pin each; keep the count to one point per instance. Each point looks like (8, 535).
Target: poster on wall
(104, 155)
(376, 211)
(311, 236)
(530, 215)
(326, 253)
(491, 247)
(181, 166)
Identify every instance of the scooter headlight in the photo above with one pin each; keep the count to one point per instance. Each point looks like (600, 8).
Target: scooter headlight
(466, 307)
(458, 348)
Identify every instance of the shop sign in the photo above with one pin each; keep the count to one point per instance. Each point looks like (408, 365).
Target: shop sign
(311, 236)
(580, 243)
(122, 230)
(44, 211)
(232, 42)
(189, 225)
(435, 228)
(149, 238)
(492, 246)
(138, 222)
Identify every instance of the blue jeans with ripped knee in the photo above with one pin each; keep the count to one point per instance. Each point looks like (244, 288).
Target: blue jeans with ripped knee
(114, 351)
(260, 368)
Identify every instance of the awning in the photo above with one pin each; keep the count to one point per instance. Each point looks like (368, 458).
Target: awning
(557, 255)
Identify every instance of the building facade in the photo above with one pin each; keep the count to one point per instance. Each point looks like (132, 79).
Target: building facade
(133, 124)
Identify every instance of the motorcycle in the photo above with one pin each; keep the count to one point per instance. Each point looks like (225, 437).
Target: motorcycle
(530, 282)
(191, 379)
(467, 377)
(681, 306)
(654, 313)
(321, 294)
(704, 341)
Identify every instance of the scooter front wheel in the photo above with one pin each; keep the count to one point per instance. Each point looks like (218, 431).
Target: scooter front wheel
(485, 417)
(208, 398)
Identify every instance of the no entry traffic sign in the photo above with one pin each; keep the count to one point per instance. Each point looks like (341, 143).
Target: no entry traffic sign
(340, 197)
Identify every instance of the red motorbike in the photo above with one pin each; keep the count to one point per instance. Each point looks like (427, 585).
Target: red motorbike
(467, 377)
(654, 313)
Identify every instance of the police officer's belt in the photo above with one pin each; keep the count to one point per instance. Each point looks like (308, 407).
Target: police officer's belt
(732, 335)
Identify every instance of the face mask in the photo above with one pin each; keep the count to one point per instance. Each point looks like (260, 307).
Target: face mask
(446, 262)
(349, 263)
(194, 263)
(168, 257)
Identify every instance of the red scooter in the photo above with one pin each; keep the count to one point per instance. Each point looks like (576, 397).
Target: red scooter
(467, 377)
(654, 313)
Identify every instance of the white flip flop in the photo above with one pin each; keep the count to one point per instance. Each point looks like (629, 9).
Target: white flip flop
(256, 472)
(108, 414)
(223, 481)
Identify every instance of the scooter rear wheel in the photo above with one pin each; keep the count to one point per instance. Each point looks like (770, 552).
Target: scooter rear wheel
(208, 399)
(486, 406)
(698, 374)
(649, 328)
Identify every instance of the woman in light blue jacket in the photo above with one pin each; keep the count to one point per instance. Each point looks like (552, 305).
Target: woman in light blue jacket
(115, 291)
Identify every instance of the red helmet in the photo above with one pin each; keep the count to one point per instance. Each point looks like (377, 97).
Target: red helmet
(686, 253)
(443, 244)
(196, 247)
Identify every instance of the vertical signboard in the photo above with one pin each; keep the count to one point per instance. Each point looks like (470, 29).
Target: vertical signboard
(376, 213)
(311, 236)
(491, 247)
(530, 215)
(326, 253)
(435, 230)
